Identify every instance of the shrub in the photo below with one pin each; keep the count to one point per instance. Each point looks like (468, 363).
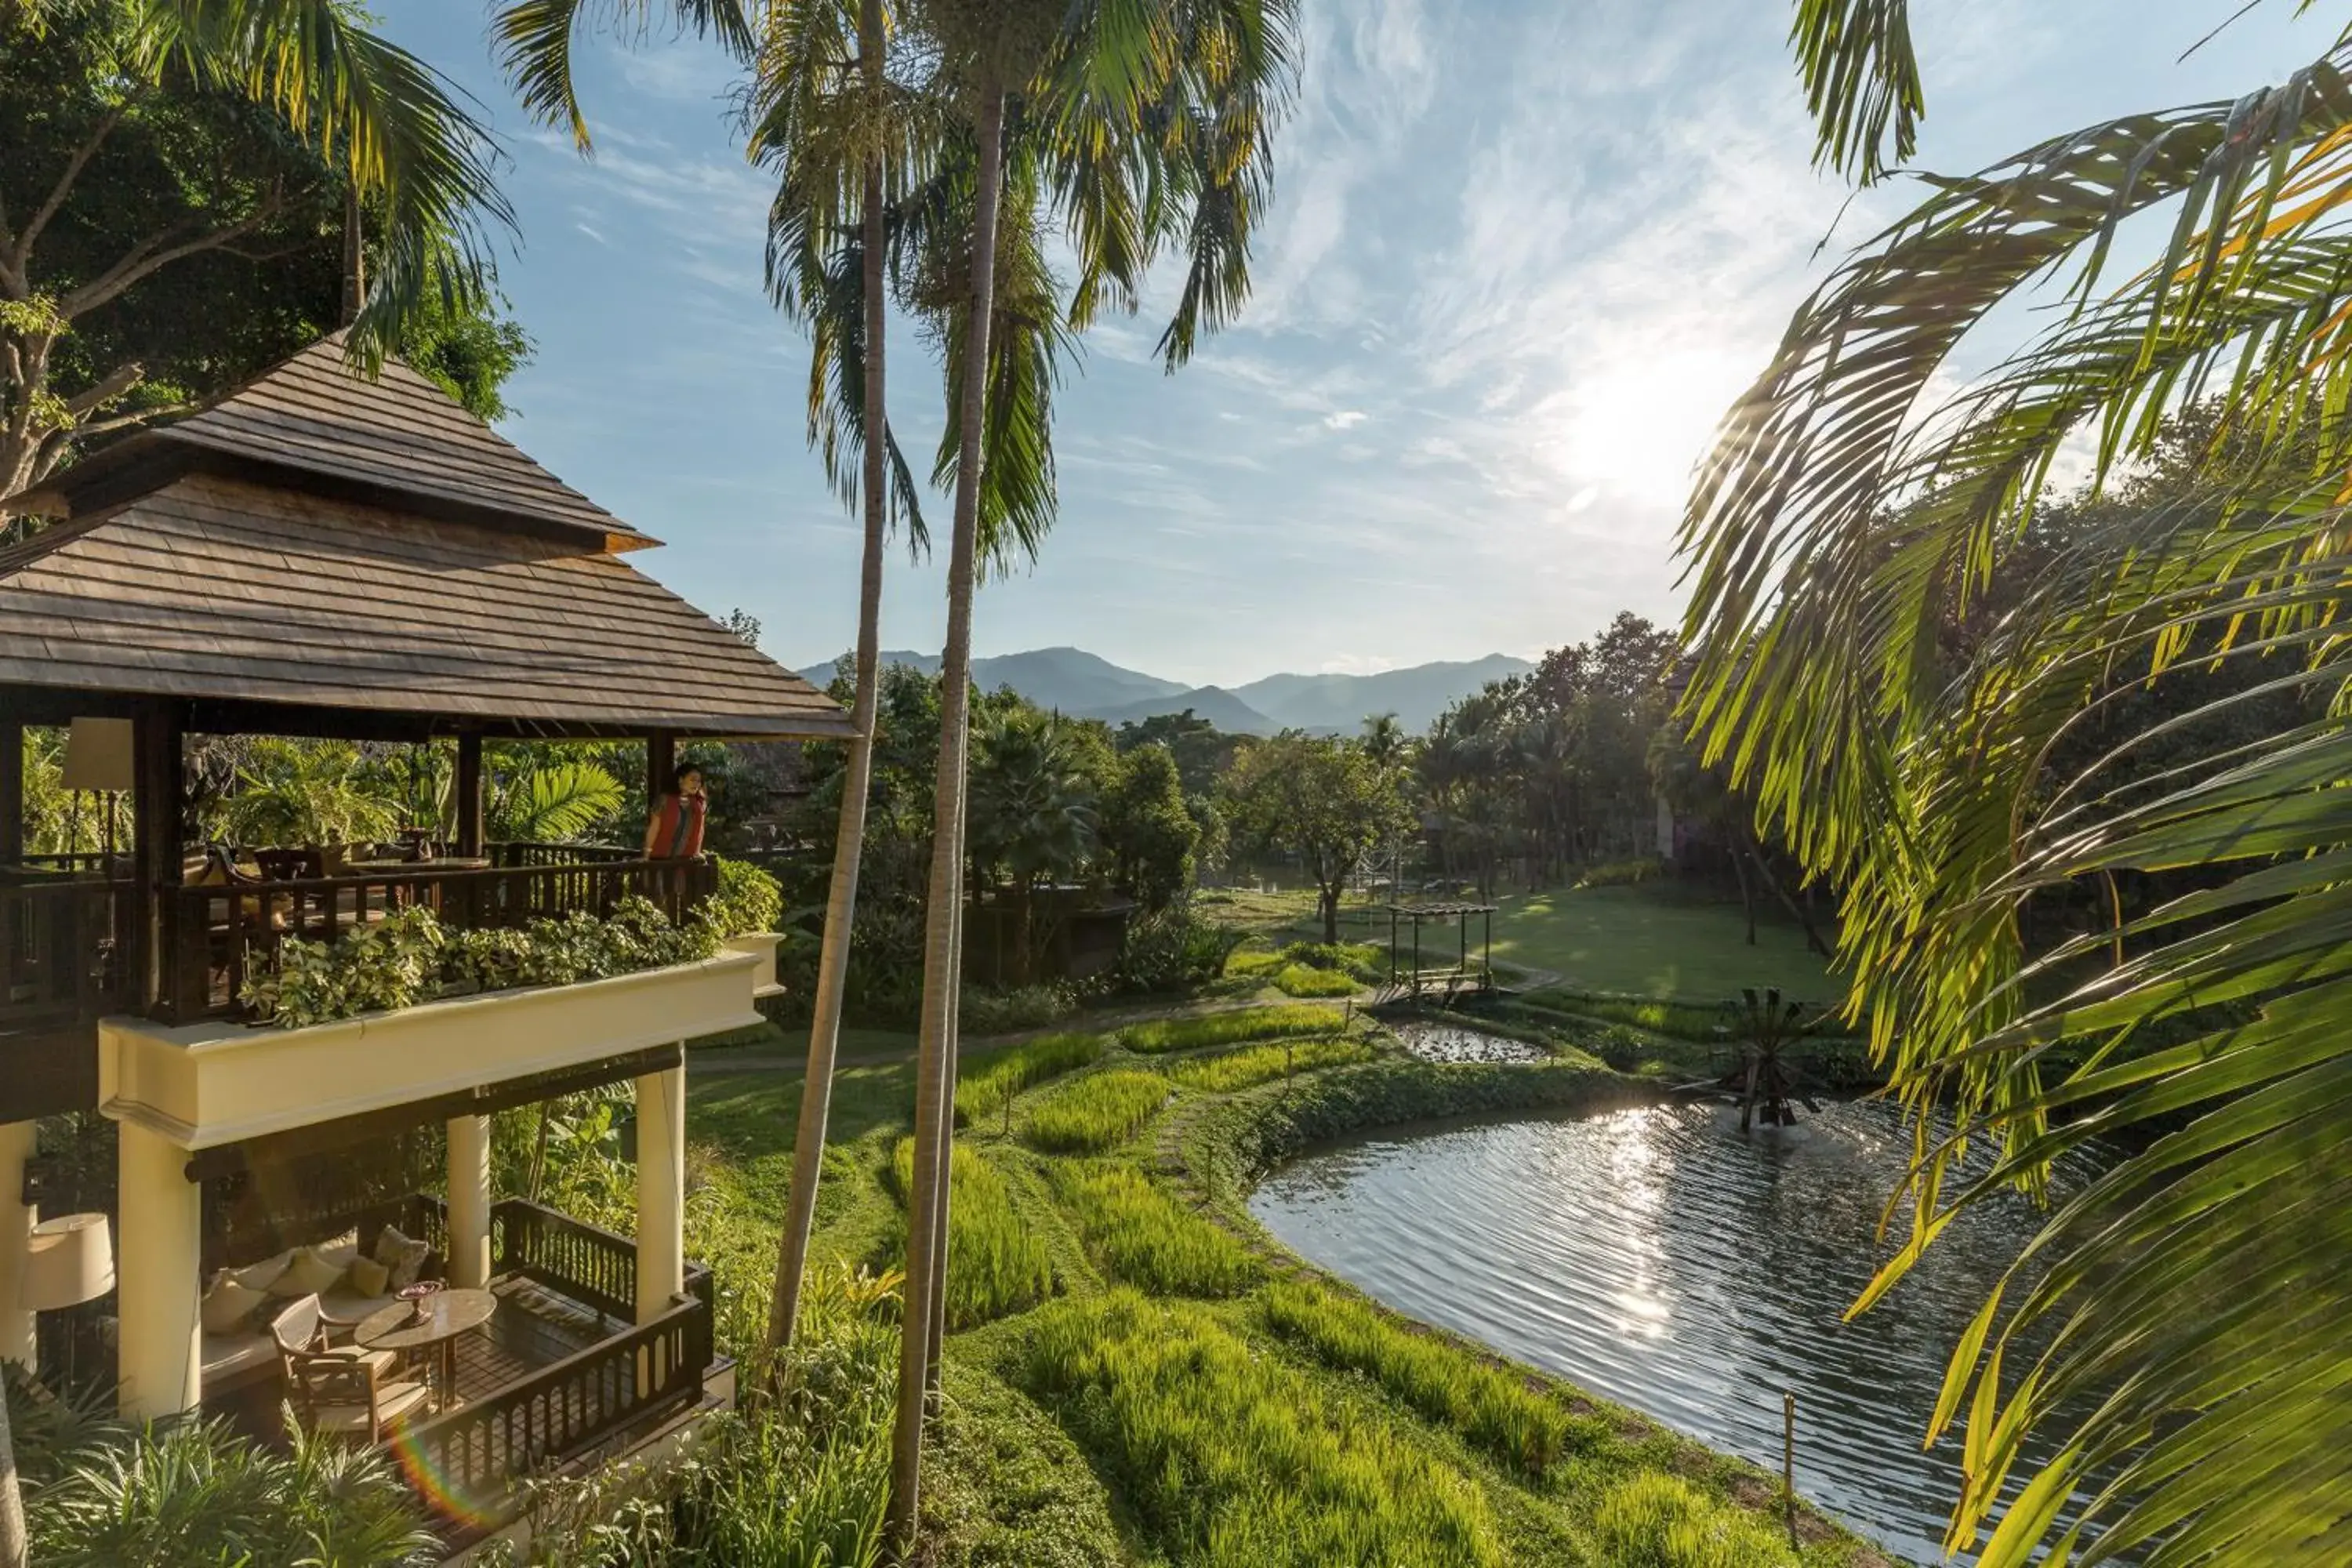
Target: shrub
(1658, 1520)
(1143, 1237)
(996, 1265)
(1231, 1461)
(1096, 1113)
(1262, 1064)
(1172, 950)
(748, 900)
(1304, 979)
(193, 1491)
(1493, 1410)
(986, 1084)
(1272, 1023)
(410, 957)
(1006, 1012)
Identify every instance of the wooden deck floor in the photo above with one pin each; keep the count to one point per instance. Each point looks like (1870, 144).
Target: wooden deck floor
(531, 1329)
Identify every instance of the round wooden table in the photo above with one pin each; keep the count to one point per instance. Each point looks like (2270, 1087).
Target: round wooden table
(447, 1314)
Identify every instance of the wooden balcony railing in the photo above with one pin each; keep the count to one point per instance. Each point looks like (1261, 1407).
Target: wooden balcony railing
(592, 1266)
(66, 949)
(521, 852)
(468, 1458)
(222, 931)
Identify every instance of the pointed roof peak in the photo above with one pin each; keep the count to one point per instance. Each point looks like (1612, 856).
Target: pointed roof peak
(314, 421)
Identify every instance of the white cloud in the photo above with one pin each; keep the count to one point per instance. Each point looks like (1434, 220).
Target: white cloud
(1344, 418)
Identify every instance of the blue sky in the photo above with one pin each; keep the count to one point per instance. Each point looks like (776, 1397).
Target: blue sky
(1522, 256)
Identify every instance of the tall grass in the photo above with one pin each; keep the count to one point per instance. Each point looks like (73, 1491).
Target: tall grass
(1493, 1410)
(1095, 1114)
(1143, 1237)
(996, 1264)
(1272, 1023)
(1656, 1520)
(1262, 1064)
(1306, 980)
(1231, 1460)
(986, 1084)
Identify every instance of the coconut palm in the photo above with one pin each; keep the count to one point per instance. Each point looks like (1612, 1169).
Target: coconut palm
(1149, 126)
(2177, 1324)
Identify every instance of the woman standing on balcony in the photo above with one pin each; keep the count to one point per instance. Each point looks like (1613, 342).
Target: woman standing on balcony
(674, 827)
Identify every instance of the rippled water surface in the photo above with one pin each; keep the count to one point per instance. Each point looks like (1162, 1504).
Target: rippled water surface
(1661, 1259)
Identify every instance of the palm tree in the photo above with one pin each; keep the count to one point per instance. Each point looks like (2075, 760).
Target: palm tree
(1183, 94)
(400, 137)
(828, 113)
(2180, 1321)
(1032, 809)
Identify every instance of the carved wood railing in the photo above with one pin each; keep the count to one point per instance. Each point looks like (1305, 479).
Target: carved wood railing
(571, 1257)
(66, 948)
(468, 1458)
(221, 930)
(515, 853)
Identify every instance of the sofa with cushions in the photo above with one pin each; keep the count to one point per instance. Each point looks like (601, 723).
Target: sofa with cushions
(239, 1303)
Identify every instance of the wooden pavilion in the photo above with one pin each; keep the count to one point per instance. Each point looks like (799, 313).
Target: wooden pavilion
(1409, 979)
(323, 555)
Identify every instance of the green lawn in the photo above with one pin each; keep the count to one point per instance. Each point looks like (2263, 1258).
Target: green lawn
(1647, 942)
(1658, 940)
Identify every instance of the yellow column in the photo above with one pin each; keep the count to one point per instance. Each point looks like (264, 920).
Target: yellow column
(17, 1219)
(469, 1201)
(158, 1258)
(661, 1191)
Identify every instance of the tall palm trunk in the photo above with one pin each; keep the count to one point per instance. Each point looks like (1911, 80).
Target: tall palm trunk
(942, 939)
(841, 903)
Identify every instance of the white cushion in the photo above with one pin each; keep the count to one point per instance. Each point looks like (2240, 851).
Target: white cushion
(311, 1273)
(227, 1307)
(261, 1276)
(226, 1355)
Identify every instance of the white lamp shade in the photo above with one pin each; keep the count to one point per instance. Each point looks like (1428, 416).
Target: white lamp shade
(68, 1260)
(98, 755)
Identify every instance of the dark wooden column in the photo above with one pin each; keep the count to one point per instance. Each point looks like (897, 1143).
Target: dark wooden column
(470, 794)
(661, 761)
(159, 729)
(12, 793)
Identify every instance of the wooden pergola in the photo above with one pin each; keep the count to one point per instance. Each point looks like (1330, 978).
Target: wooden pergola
(1462, 976)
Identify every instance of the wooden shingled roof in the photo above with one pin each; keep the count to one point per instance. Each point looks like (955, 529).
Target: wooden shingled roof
(372, 550)
(313, 422)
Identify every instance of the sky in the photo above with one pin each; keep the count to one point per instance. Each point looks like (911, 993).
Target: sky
(1522, 256)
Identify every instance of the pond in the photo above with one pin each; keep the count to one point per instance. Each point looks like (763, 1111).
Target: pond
(1438, 1042)
(1661, 1259)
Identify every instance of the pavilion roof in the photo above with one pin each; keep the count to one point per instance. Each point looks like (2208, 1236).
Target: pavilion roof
(1439, 911)
(311, 421)
(224, 590)
(321, 553)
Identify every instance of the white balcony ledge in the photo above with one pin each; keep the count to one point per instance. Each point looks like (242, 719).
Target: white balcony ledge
(204, 1084)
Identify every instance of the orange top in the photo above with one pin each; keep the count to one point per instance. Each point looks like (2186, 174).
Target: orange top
(676, 839)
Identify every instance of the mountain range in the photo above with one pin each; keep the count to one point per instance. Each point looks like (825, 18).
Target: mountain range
(1087, 685)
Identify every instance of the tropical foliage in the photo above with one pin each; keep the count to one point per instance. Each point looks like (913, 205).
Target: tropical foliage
(1326, 801)
(182, 182)
(1144, 1238)
(99, 1494)
(410, 957)
(996, 1263)
(1918, 737)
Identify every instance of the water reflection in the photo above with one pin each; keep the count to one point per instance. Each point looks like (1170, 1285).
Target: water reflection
(1659, 1258)
(1435, 1042)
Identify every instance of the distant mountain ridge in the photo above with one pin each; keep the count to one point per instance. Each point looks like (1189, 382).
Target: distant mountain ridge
(1087, 685)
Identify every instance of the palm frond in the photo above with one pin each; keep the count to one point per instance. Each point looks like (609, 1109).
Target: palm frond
(399, 130)
(1862, 82)
(536, 39)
